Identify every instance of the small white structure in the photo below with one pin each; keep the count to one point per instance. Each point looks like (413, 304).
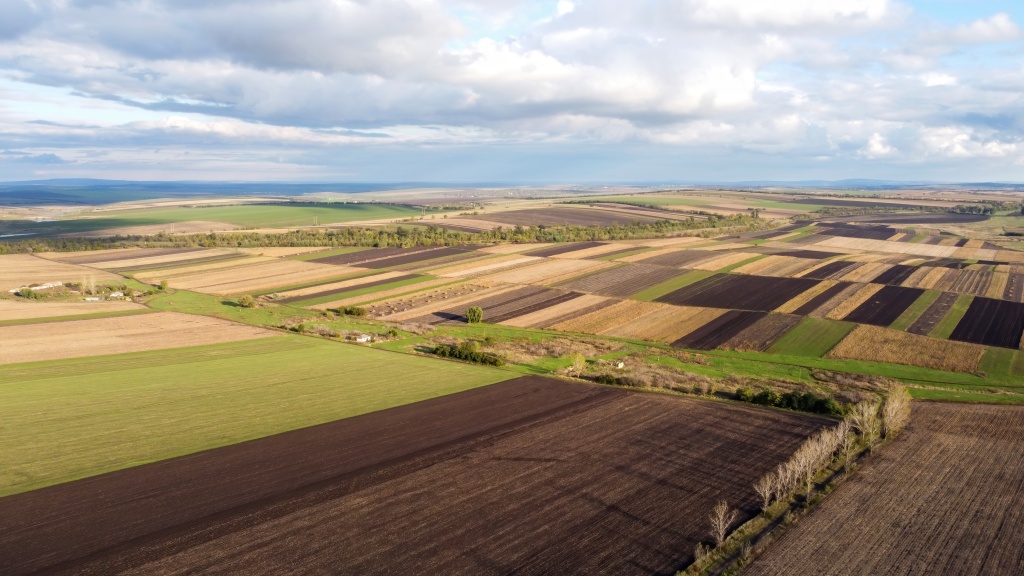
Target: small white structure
(364, 338)
(116, 295)
(93, 299)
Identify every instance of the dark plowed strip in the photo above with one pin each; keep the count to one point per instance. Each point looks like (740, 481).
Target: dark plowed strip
(740, 292)
(962, 242)
(760, 336)
(88, 258)
(490, 305)
(1014, 288)
(810, 254)
(681, 258)
(884, 234)
(564, 248)
(972, 282)
(991, 322)
(415, 257)
(495, 319)
(820, 299)
(133, 507)
(370, 283)
(832, 270)
(885, 306)
(933, 314)
(895, 275)
(720, 330)
(360, 256)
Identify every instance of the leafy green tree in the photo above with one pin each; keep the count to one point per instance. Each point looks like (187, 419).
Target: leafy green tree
(475, 315)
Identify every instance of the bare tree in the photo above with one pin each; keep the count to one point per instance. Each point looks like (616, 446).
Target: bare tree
(765, 488)
(700, 552)
(895, 411)
(864, 417)
(721, 519)
(847, 442)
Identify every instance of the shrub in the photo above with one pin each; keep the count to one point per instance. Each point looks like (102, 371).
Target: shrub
(475, 315)
(745, 394)
(467, 351)
(247, 301)
(353, 311)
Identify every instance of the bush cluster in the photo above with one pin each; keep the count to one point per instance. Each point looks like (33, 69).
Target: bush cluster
(468, 351)
(802, 401)
(352, 311)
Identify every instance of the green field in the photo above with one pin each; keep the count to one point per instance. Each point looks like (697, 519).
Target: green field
(245, 216)
(708, 203)
(74, 418)
(914, 311)
(812, 337)
(953, 317)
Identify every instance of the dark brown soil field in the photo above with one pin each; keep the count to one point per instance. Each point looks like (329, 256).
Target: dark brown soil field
(622, 281)
(550, 299)
(563, 248)
(763, 333)
(719, 331)
(819, 300)
(422, 256)
(885, 306)
(360, 256)
(88, 258)
(682, 258)
(529, 476)
(933, 314)
(991, 322)
(866, 233)
(739, 292)
(563, 216)
(895, 275)
(947, 497)
(972, 282)
(369, 284)
(492, 305)
(832, 270)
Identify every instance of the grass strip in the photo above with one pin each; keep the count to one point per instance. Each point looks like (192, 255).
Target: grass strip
(676, 283)
(812, 337)
(914, 311)
(1002, 363)
(361, 291)
(70, 317)
(956, 313)
(732, 267)
(969, 397)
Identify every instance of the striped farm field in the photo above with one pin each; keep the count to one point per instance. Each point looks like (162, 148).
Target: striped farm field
(621, 281)
(342, 284)
(762, 334)
(166, 259)
(811, 337)
(606, 319)
(485, 266)
(254, 274)
(560, 312)
(681, 281)
(664, 323)
(368, 289)
(854, 301)
(380, 293)
(548, 271)
(117, 334)
(803, 298)
(779, 266)
(69, 419)
(26, 310)
(17, 270)
(866, 272)
(955, 312)
(876, 344)
(857, 245)
(408, 307)
(724, 261)
(914, 312)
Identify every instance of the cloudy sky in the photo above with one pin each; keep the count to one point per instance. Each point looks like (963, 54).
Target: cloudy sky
(507, 90)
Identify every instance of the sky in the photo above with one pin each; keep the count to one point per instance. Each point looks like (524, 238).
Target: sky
(566, 91)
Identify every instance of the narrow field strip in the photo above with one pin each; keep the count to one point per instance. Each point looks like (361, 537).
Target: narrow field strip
(23, 309)
(681, 281)
(69, 318)
(954, 314)
(811, 337)
(915, 310)
(377, 295)
(876, 344)
(357, 287)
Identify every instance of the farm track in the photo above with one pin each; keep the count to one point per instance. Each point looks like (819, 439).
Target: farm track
(947, 497)
(560, 471)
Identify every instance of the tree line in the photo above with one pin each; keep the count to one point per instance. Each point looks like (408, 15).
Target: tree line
(400, 236)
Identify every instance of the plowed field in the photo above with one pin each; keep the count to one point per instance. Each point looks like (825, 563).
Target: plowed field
(739, 292)
(561, 471)
(991, 322)
(622, 281)
(946, 498)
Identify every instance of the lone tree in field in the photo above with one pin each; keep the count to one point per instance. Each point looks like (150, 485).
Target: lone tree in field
(247, 301)
(579, 362)
(475, 315)
(721, 519)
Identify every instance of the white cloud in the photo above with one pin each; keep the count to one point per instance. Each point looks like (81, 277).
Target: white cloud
(998, 28)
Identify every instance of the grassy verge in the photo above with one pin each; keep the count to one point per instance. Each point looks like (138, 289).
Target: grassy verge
(956, 313)
(70, 419)
(911, 314)
(812, 337)
(226, 308)
(676, 283)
